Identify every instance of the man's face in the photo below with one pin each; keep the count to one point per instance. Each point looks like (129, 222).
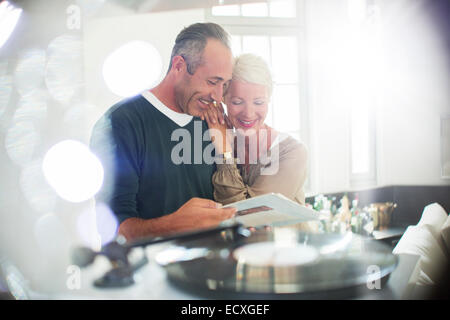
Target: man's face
(193, 93)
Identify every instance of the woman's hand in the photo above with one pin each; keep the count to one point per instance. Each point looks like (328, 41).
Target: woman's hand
(218, 124)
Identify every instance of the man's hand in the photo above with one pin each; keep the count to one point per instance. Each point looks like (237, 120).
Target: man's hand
(196, 213)
(200, 213)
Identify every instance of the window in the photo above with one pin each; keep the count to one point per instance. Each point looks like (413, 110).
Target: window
(362, 146)
(273, 8)
(272, 30)
(363, 61)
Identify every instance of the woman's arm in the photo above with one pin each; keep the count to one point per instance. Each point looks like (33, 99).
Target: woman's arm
(285, 174)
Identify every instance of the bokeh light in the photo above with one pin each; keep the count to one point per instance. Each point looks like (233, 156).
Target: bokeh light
(35, 188)
(32, 106)
(21, 142)
(9, 16)
(30, 70)
(87, 229)
(97, 226)
(63, 73)
(132, 68)
(15, 282)
(5, 87)
(79, 119)
(51, 236)
(73, 171)
(90, 7)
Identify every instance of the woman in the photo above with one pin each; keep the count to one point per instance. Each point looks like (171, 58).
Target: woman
(257, 159)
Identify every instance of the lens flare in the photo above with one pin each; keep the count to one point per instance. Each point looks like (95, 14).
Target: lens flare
(132, 68)
(21, 142)
(73, 171)
(32, 106)
(107, 223)
(30, 70)
(5, 91)
(36, 190)
(63, 73)
(87, 230)
(9, 16)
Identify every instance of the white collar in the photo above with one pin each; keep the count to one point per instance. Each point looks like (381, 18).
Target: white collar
(180, 119)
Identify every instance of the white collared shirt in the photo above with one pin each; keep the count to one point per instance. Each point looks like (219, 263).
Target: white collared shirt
(181, 119)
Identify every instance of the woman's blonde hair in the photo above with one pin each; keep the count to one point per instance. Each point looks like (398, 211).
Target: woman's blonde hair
(251, 68)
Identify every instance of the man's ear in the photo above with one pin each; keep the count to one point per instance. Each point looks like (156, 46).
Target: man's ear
(178, 63)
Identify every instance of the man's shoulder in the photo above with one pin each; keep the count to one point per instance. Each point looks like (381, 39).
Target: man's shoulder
(133, 111)
(127, 113)
(129, 106)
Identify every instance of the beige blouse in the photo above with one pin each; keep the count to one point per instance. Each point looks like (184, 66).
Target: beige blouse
(285, 174)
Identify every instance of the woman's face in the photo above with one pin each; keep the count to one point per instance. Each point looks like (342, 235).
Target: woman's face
(247, 105)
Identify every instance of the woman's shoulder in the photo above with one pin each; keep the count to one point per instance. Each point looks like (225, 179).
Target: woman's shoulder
(290, 145)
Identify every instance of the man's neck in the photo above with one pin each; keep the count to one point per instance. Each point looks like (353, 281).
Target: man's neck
(165, 93)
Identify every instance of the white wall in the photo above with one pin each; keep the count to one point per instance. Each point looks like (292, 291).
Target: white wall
(415, 95)
(409, 98)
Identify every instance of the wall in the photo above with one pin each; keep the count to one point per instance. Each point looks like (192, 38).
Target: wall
(410, 95)
(415, 95)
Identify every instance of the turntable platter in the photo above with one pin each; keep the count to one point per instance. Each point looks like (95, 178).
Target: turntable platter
(280, 261)
(273, 254)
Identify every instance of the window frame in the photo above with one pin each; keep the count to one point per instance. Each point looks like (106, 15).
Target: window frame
(277, 26)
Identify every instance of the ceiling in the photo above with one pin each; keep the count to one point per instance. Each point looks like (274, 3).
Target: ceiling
(140, 6)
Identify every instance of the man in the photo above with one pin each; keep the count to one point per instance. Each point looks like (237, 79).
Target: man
(146, 190)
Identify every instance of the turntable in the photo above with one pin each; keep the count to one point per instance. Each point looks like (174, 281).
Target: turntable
(230, 262)
(278, 263)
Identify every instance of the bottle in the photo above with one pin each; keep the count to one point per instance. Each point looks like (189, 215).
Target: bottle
(355, 221)
(333, 207)
(318, 202)
(344, 213)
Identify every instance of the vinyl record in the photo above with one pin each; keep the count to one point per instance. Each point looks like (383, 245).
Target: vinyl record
(282, 261)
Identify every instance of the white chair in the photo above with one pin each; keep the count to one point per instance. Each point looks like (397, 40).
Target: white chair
(423, 253)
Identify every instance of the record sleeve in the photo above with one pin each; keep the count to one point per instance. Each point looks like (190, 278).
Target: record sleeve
(272, 209)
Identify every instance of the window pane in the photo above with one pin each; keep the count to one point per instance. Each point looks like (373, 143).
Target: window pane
(230, 10)
(360, 140)
(236, 46)
(258, 45)
(282, 8)
(284, 59)
(255, 9)
(286, 108)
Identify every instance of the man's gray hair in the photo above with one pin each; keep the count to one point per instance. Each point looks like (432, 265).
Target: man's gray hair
(191, 42)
